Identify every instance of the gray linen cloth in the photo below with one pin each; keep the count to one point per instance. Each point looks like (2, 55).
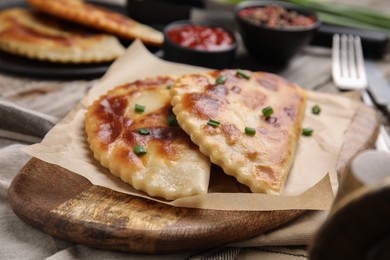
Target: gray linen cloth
(28, 110)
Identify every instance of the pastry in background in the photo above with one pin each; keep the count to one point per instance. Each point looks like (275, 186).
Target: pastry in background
(39, 36)
(97, 17)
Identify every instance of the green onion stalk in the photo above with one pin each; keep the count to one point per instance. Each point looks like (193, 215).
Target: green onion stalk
(347, 14)
(343, 14)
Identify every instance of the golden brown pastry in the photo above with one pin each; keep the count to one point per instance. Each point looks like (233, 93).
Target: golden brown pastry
(228, 114)
(39, 36)
(99, 18)
(133, 132)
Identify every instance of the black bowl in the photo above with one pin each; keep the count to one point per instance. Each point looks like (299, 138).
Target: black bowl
(274, 45)
(216, 59)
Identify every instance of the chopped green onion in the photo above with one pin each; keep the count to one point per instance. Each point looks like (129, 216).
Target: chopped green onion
(316, 110)
(143, 131)
(213, 123)
(307, 131)
(250, 131)
(221, 79)
(139, 150)
(172, 121)
(267, 111)
(242, 74)
(139, 108)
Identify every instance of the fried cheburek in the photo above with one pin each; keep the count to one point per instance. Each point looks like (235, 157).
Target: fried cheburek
(100, 18)
(248, 123)
(39, 36)
(133, 132)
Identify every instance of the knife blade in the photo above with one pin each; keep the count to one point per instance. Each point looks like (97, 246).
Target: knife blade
(383, 140)
(378, 85)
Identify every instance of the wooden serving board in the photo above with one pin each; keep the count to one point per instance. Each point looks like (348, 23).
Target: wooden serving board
(66, 205)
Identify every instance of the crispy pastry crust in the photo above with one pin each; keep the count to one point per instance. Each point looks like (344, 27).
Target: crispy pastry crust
(173, 166)
(99, 18)
(38, 36)
(263, 161)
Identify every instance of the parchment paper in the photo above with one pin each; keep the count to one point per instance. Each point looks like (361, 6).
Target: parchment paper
(310, 185)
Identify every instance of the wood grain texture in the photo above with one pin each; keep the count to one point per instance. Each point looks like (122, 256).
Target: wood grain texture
(68, 206)
(365, 123)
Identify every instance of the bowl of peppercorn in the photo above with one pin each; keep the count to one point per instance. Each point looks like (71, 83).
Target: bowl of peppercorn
(199, 43)
(273, 32)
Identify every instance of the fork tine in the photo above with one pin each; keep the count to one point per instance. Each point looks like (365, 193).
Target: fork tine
(352, 53)
(336, 70)
(344, 56)
(360, 60)
(348, 63)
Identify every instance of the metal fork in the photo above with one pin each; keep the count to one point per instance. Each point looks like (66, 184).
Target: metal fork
(348, 63)
(349, 73)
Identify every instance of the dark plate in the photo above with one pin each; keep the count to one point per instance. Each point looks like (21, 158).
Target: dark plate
(374, 42)
(27, 67)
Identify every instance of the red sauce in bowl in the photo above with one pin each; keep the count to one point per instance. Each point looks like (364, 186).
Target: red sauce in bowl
(275, 16)
(201, 37)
